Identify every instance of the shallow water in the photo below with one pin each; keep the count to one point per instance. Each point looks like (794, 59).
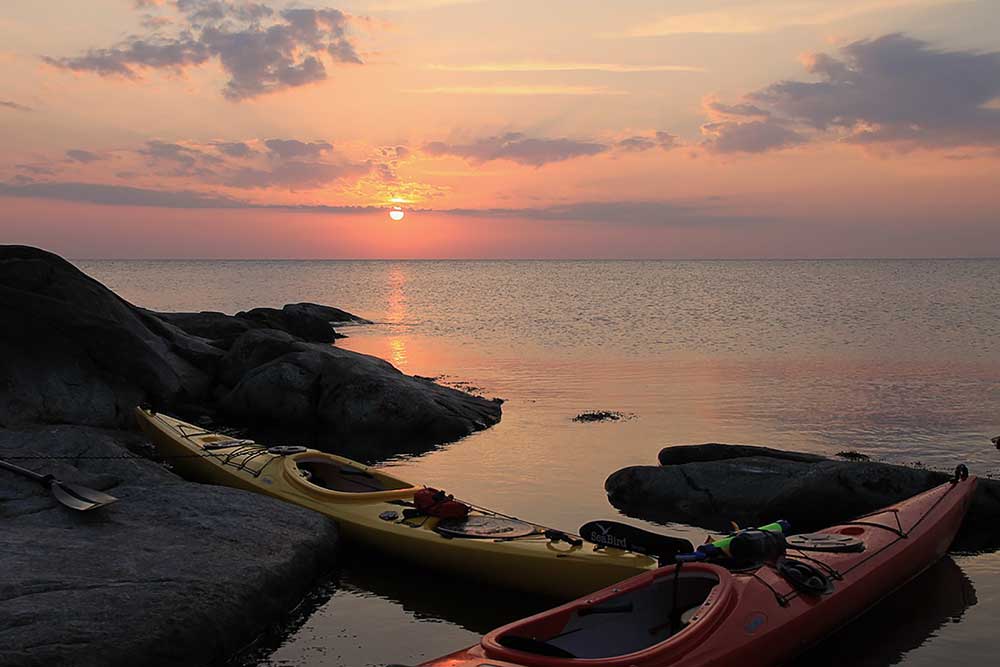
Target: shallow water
(896, 359)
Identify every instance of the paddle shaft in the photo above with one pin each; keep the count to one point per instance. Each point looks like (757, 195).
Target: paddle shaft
(38, 477)
(71, 495)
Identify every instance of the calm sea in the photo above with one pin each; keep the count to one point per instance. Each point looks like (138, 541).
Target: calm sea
(896, 359)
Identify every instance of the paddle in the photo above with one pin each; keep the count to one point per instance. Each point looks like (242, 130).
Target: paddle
(73, 496)
(630, 538)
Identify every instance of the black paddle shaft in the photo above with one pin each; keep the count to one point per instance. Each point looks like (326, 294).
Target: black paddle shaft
(38, 477)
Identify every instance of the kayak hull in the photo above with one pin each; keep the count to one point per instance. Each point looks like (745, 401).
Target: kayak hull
(757, 619)
(534, 564)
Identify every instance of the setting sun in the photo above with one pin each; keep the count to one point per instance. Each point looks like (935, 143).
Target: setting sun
(396, 213)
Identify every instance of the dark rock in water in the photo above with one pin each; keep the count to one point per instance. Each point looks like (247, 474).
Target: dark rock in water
(711, 485)
(326, 313)
(601, 416)
(172, 573)
(285, 381)
(73, 352)
(714, 451)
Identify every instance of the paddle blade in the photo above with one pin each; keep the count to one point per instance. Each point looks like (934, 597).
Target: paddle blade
(630, 538)
(80, 497)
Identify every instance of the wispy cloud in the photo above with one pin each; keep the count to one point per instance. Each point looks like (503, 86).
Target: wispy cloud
(85, 157)
(516, 90)
(700, 213)
(539, 151)
(748, 18)
(123, 195)
(7, 104)
(517, 147)
(272, 163)
(638, 143)
(259, 164)
(618, 68)
(117, 195)
(410, 5)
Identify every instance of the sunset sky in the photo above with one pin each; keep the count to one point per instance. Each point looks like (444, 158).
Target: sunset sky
(578, 128)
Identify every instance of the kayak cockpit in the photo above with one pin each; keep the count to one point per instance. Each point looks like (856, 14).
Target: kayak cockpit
(621, 624)
(332, 475)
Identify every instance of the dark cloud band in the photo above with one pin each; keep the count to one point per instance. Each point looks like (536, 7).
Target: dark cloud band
(703, 213)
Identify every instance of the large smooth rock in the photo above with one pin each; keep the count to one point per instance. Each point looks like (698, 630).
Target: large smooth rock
(173, 573)
(72, 351)
(347, 395)
(712, 485)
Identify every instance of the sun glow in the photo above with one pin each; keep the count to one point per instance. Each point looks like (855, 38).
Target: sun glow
(396, 213)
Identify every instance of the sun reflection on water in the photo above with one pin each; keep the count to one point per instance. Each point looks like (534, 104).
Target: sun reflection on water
(396, 316)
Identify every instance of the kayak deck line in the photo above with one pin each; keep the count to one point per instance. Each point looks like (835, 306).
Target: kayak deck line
(373, 508)
(247, 449)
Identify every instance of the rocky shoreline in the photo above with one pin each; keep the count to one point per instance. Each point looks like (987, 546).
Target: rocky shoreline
(175, 572)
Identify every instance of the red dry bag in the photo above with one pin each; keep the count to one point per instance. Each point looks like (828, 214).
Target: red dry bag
(440, 504)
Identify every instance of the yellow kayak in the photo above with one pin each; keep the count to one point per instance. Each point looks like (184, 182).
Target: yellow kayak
(376, 509)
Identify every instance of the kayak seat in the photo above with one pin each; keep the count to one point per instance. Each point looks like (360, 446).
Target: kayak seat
(630, 622)
(334, 476)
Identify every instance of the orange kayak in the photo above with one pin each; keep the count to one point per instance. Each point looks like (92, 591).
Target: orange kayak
(758, 617)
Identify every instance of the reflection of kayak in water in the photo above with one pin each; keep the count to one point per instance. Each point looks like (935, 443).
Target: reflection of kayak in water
(703, 614)
(901, 623)
(376, 509)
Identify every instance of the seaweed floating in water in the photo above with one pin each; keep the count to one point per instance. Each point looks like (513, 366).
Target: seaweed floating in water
(854, 456)
(602, 416)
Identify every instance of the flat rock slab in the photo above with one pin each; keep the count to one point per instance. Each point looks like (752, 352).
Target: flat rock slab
(712, 485)
(173, 573)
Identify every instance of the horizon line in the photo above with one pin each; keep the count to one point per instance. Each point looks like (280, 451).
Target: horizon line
(530, 259)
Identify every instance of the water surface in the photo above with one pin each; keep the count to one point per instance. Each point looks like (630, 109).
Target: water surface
(896, 359)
